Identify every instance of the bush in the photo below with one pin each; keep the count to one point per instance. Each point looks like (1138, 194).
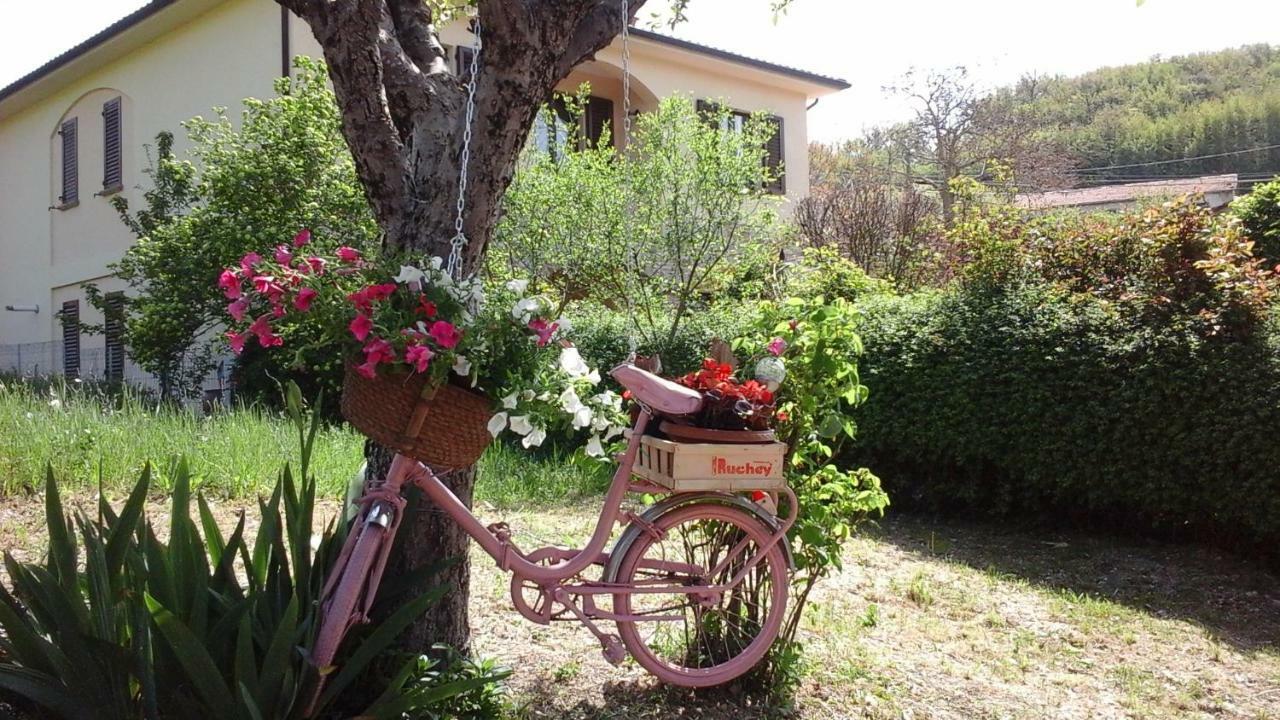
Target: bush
(1035, 399)
(604, 336)
(1259, 212)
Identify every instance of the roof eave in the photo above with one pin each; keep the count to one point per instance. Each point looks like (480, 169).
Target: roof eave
(829, 84)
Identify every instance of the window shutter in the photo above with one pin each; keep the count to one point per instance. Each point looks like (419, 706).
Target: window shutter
(70, 317)
(113, 328)
(112, 171)
(70, 163)
(773, 156)
(599, 121)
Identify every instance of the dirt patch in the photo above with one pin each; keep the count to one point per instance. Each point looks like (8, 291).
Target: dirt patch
(927, 620)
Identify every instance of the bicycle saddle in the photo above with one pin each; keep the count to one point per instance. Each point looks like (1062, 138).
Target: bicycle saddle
(657, 393)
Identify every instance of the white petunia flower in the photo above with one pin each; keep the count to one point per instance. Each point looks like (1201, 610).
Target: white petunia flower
(517, 286)
(582, 417)
(461, 365)
(409, 274)
(437, 262)
(613, 432)
(565, 325)
(570, 401)
(571, 362)
(509, 402)
(497, 424)
(524, 309)
(594, 376)
(535, 438)
(594, 448)
(527, 395)
(520, 425)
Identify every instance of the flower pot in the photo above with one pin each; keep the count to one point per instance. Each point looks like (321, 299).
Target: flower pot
(444, 427)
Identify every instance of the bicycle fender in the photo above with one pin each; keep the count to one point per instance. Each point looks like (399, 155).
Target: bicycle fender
(653, 512)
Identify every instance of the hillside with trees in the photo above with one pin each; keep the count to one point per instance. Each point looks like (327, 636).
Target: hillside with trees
(1222, 104)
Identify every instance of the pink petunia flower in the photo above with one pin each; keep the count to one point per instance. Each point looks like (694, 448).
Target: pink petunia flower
(249, 260)
(229, 283)
(267, 285)
(378, 350)
(261, 328)
(316, 264)
(543, 329)
(419, 356)
(368, 369)
(445, 334)
(283, 256)
(236, 340)
(237, 308)
(304, 298)
(302, 238)
(777, 346)
(360, 326)
(348, 255)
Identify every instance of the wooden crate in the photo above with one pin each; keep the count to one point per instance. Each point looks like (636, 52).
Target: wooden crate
(687, 467)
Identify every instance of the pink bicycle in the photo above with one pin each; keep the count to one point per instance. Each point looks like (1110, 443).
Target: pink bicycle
(696, 584)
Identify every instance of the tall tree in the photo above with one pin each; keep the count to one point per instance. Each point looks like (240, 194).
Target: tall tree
(403, 116)
(959, 131)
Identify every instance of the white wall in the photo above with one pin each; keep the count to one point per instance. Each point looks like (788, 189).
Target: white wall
(230, 52)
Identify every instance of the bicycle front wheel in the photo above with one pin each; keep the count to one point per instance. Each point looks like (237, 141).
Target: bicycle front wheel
(698, 639)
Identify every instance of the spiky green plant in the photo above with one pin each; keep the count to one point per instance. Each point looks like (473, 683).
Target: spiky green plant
(117, 623)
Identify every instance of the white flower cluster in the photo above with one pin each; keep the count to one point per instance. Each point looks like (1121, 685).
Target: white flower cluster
(469, 291)
(600, 413)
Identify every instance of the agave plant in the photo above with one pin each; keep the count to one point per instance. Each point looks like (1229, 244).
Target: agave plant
(117, 623)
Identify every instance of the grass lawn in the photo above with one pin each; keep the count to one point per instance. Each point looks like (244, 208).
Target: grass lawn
(927, 619)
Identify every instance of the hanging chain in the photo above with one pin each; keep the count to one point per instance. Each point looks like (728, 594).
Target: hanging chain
(626, 167)
(626, 72)
(459, 241)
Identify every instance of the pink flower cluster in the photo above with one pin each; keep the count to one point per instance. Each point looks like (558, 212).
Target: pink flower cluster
(287, 283)
(238, 283)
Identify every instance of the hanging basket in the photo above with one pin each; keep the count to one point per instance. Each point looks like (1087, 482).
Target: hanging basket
(445, 427)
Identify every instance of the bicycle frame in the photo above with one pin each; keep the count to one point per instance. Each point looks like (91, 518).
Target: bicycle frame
(555, 571)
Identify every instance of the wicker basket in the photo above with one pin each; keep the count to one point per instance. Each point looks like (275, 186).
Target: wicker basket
(448, 428)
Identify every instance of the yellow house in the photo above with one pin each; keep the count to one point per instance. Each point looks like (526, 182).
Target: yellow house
(73, 133)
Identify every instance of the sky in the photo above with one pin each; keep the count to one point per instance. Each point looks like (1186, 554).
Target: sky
(870, 43)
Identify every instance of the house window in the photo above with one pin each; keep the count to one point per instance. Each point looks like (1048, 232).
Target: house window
(112, 169)
(70, 317)
(553, 130)
(462, 56)
(70, 164)
(736, 121)
(113, 329)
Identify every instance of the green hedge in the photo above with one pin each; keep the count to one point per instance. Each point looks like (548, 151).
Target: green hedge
(1033, 401)
(603, 336)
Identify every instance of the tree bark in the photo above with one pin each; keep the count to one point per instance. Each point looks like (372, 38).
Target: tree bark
(403, 118)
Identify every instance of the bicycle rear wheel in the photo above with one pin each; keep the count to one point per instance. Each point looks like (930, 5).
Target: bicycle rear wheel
(702, 639)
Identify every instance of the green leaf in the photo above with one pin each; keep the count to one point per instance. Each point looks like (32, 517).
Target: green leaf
(276, 661)
(62, 552)
(377, 641)
(123, 529)
(45, 691)
(195, 660)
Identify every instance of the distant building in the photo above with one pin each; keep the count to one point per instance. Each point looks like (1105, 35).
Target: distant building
(1217, 191)
(73, 134)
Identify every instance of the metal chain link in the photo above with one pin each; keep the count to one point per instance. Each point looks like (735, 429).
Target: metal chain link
(459, 241)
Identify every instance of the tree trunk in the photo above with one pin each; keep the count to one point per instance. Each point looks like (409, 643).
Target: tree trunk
(403, 116)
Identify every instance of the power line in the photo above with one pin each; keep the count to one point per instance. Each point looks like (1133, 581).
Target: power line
(1180, 160)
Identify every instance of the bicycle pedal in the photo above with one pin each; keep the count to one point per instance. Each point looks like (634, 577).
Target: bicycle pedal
(612, 649)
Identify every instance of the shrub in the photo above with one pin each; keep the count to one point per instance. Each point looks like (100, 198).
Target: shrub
(1038, 400)
(816, 418)
(604, 336)
(1259, 211)
(822, 272)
